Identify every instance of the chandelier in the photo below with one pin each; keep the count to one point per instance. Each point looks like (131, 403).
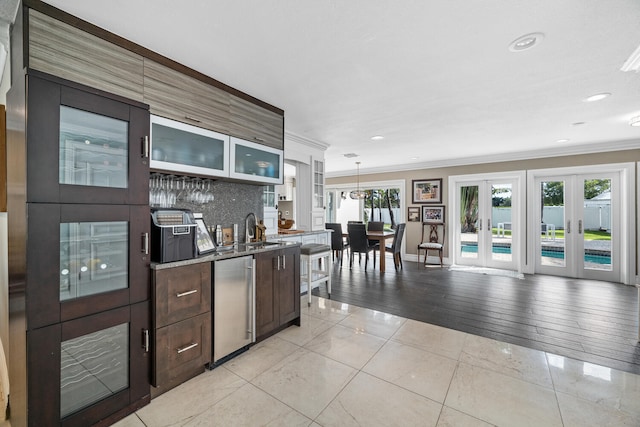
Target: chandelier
(357, 193)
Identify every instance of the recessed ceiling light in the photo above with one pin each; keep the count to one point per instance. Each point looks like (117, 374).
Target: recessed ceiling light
(377, 138)
(526, 42)
(635, 121)
(577, 124)
(415, 158)
(596, 97)
(562, 140)
(350, 155)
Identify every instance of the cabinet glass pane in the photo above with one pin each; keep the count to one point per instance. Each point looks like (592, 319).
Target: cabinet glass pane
(94, 149)
(94, 258)
(251, 161)
(318, 184)
(186, 148)
(269, 196)
(93, 367)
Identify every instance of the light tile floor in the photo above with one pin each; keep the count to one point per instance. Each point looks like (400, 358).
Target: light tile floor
(350, 366)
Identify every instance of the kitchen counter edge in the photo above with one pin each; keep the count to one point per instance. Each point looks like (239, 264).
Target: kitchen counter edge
(238, 251)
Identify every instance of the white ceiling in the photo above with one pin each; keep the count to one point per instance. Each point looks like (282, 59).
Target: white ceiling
(435, 77)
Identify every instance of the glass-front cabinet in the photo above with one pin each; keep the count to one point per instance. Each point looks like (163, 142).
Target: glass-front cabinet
(255, 162)
(84, 147)
(85, 254)
(186, 149)
(87, 367)
(99, 254)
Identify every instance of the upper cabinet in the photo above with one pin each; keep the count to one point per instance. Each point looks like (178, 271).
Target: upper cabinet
(175, 95)
(256, 124)
(84, 147)
(255, 163)
(179, 147)
(68, 52)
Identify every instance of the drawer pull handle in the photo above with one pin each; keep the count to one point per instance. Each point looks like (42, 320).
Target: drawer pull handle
(189, 347)
(184, 294)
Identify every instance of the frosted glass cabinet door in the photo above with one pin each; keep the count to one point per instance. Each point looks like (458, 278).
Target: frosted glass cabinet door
(85, 146)
(179, 147)
(256, 162)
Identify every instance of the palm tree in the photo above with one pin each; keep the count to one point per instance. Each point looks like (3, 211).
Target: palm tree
(468, 208)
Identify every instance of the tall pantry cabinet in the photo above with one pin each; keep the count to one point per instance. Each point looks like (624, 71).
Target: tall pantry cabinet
(79, 224)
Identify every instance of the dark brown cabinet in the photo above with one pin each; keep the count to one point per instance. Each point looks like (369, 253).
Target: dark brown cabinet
(182, 323)
(79, 226)
(277, 290)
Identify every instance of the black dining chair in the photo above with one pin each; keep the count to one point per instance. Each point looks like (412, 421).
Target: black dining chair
(375, 226)
(338, 245)
(359, 243)
(396, 245)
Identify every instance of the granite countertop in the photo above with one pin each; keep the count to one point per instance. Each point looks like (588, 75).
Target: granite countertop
(232, 252)
(287, 233)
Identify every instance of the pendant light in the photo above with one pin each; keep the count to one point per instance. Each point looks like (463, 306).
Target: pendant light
(357, 193)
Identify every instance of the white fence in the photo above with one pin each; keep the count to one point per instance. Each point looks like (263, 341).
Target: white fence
(595, 217)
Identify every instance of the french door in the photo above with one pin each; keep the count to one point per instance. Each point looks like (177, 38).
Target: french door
(579, 225)
(486, 232)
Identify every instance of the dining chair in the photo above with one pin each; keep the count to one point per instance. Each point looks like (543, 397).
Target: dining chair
(396, 245)
(359, 243)
(434, 240)
(375, 226)
(338, 245)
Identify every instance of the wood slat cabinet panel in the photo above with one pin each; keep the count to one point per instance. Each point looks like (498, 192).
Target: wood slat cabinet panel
(177, 96)
(65, 51)
(182, 347)
(254, 123)
(181, 292)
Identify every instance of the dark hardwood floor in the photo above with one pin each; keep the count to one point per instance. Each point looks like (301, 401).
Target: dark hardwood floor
(592, 321)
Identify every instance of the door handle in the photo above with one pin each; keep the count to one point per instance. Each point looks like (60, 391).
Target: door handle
(568, 227)
(489, 224)
(580, 226)
(145, 146)
(184, 294)
(145, 243)
(284, 262)
(480, 224)
(145, 340)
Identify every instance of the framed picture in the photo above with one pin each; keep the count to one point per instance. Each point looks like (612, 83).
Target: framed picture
(427, 190)
(413, 214)
(204, 242)
(433, 214)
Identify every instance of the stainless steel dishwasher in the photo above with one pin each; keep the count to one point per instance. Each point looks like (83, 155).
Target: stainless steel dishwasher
(234, 295)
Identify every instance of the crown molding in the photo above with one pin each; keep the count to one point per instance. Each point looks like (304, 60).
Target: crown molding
(500, 158)
(305, 141)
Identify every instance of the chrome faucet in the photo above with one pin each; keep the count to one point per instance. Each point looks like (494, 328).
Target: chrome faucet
(250, 227)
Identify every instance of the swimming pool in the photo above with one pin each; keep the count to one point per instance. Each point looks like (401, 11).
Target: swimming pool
(599, 257)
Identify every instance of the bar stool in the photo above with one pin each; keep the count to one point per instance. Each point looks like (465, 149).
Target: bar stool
(310, 253)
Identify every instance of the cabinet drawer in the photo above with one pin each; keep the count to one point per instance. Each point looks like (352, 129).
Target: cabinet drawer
(181, 292)
(181, 347)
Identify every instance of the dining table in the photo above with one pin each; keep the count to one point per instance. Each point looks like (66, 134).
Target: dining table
(381, 237)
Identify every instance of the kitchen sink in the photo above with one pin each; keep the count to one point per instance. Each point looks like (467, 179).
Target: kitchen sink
(260, 245)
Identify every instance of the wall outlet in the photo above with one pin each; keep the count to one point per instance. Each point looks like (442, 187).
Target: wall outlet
(286, 213)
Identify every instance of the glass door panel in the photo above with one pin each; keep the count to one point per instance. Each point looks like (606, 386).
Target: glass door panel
(179, 147)
(93, 367)
(94, 149)
(501, 220)
(255, 162)
(551, 238)
(94, 258)
(468, 234)
(597, 226)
